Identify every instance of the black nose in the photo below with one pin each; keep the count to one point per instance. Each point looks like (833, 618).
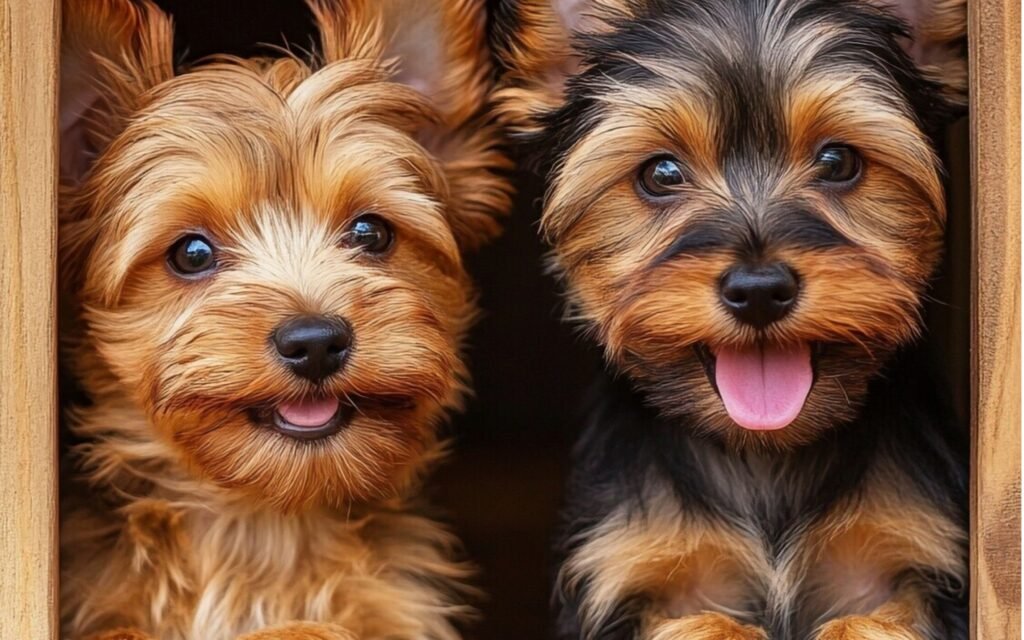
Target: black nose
(759, 295)
(313, 347)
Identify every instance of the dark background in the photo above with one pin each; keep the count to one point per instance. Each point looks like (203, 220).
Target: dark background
(502, 487)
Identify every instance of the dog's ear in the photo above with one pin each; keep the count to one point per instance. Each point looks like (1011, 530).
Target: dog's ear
(439, 48)
(938, 41)
(112, 51)
(534, 41)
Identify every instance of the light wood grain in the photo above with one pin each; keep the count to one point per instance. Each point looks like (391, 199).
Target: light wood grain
(28, 411)
(995, 495)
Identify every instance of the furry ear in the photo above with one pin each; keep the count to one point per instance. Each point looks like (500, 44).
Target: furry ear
(111, 52)
(439, 48)
(938, 41)
(534, 41)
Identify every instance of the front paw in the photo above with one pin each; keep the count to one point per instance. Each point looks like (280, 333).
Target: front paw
(704, 626)
(865, 628)
(120, 634)
(301, 631)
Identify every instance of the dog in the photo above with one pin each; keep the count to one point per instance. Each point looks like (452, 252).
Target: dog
(745, 205)
(262, 266)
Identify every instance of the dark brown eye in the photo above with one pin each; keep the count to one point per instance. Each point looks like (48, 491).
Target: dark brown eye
(661, 176)
(371, 233)
(192, 255)
(838, 164)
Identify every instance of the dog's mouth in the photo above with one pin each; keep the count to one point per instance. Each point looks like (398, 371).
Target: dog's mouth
(315, 418)
(763, 387)
(306, 419)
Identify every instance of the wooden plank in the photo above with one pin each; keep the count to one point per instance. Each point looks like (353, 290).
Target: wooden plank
(28, 408)
(994, 33)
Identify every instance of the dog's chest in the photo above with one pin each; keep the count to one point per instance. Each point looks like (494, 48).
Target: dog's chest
(767, 496)
(192, 573)
(261, 570)
(791, 562)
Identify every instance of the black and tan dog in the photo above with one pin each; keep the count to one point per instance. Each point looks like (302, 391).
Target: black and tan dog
(746, 206)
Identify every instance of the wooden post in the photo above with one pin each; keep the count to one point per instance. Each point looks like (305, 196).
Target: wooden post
(994, 35)
(28, 319)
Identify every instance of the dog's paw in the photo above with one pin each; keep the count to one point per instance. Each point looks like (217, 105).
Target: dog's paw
(704, 626)
(301, 631)
(865, 628)
(120, 634)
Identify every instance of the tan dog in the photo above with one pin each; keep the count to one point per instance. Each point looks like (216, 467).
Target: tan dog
(263, 263)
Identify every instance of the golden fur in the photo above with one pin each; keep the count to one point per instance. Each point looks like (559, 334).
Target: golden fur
(893, 621)
(703, 626)
(183, 518)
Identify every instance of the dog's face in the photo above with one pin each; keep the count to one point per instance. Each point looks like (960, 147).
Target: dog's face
(744, 202)
(267, 254)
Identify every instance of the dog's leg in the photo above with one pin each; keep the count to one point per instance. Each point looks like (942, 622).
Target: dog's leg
(660, 575)
(301, 631)
(887, 573)
(120, 634)
(702, 626)
(901, 619)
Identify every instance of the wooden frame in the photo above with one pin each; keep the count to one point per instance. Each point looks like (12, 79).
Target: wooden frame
(994, 36)
(28, 162)
(28, 317)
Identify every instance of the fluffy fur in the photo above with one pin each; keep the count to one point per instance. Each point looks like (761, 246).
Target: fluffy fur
(184, 515)
(849, 522)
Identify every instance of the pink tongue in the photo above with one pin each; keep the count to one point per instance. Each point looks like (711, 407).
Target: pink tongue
(764, 388)
(309, 413)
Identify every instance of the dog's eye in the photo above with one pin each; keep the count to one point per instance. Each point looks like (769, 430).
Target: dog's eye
(838, 163)
(370, 233)
(661, 176)
(192, 255)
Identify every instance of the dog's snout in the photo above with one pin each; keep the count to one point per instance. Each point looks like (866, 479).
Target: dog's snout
(759, 295)
(313, 347)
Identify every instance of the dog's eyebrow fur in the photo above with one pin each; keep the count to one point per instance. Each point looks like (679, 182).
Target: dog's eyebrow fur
(793, 228)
